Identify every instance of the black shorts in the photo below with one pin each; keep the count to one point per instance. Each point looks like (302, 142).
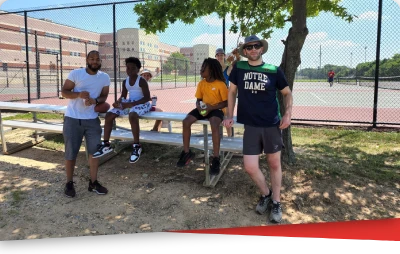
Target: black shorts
(217, 113)
(259, 139)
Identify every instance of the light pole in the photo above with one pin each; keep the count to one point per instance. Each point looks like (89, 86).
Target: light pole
(365, 54)
(320, 56)
(143, 58)
(351, 60)
(119, 69)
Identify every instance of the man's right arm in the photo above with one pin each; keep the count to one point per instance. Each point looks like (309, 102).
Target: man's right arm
(67, 91)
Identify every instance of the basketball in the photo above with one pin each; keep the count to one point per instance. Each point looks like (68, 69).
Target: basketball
(102, 107)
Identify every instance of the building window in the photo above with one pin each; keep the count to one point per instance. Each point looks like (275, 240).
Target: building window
(23, 48)
(123, 43)
(127, 43)
(22, 29)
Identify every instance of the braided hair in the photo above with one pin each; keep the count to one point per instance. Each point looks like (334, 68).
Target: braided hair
(215, 68)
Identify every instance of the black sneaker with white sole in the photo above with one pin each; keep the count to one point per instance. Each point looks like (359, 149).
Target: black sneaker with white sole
(69, 189)
(185, 158)
(97, 187)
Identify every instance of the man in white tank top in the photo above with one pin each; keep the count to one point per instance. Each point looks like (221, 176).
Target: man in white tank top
(137, 104)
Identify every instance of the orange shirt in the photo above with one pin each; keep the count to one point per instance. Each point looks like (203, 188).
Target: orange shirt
(212, 93)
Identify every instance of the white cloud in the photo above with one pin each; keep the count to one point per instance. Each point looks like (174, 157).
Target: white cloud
(332, 44)
(216, 39)
(317, 36)
(182, 44)
(370, 15)
(214, 20)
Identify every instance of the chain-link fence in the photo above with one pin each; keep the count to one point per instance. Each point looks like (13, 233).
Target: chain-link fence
(39, 48)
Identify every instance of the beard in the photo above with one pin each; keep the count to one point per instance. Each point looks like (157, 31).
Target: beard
(93, 68)
(254, 58)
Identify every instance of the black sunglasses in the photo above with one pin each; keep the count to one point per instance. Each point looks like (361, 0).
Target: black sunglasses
(250, 47)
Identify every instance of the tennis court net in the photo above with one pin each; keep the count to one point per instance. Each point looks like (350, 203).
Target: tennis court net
(383, 82)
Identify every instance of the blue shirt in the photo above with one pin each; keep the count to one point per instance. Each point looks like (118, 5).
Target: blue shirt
(225, 72)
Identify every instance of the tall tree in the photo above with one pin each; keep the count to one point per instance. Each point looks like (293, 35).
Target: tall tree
(249, 17)
(176, 61)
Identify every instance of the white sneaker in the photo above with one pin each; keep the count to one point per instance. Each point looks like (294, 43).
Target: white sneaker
(135, 155)
(103, 149)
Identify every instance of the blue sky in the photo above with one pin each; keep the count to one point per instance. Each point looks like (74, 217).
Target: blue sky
(341, 43)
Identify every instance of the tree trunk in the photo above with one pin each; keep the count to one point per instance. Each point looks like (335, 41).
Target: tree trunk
(290, 61)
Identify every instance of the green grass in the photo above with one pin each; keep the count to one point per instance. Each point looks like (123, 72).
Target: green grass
(54, 142)
(179, 78)
(349, 153)
(29, 116)
(17, 197)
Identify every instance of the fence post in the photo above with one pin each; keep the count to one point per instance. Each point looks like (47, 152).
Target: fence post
(61, 63)
(58, 80)
(186, 68)
(175, 70)
(378, 50)
(161, 70)
(115, 53)
(5, 68)
(37, 67)
(28, 80)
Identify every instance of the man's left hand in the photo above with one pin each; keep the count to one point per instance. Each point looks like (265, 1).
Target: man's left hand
(285, 122)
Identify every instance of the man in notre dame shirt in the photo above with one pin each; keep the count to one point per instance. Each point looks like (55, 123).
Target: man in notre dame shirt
(256, 84)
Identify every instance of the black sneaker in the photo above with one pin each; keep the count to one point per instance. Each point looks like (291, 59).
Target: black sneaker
(97, 187)
(69, 189)
(102, 149)
(263, 203)
(276, 212)
(185, 158)
(135, 155)
(214, 169)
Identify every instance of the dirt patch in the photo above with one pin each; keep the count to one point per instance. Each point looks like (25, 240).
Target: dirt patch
(153, 195)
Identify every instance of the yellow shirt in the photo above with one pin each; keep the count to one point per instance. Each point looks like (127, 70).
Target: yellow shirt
(212, 93)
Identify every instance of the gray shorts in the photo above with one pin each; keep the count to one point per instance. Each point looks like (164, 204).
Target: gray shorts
(75, 129)
(259, 139)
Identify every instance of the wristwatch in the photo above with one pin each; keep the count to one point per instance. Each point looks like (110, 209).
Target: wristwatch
(97, 102)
